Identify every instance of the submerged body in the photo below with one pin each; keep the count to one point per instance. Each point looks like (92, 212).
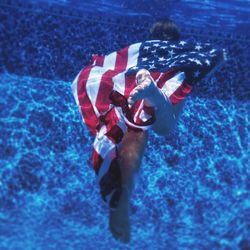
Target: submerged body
(127, 92)
(133, 145)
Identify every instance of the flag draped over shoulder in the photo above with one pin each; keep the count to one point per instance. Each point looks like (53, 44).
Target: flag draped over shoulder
(101, 90)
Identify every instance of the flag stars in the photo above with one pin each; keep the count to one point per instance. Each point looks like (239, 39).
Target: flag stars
(162, 54)
(191, 59)
(197, 74)
(171, 53)
(154, 41)
(198, 47)
(166, 42)
(182, 42)
(172, 64)
(197, 62)
(208, 62)
(135, 68)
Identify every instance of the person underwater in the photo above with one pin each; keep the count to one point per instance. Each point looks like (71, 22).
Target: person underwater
(123, 95)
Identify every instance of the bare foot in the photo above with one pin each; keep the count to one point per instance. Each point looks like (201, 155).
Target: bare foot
(119, 223)
(146, 89)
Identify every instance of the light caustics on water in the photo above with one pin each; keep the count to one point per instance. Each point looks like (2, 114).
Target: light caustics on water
(211, 13)
(191, 191)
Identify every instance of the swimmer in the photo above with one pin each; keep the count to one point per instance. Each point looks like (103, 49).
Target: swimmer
(134, 142)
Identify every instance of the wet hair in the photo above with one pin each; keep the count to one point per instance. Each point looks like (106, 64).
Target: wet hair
(164, 29)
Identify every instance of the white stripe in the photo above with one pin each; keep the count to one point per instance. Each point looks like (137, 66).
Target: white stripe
(137, 126)
(95, 76)
(121, 123)
(103, 145)
(173, 84)
(138, 110)
(119, 83)
(74, 88)
(109, 61)
(133, 53)
(156, 81)
(106, 149)
(105, 165)
(93, 85)
(119, 79)
(144, 116)
(119, 110)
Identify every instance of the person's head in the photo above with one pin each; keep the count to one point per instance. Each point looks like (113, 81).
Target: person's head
(164, 29)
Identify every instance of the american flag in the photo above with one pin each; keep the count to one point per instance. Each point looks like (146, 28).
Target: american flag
(101, 90)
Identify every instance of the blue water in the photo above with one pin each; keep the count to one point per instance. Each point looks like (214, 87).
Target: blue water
(192, 190)
(232, 15)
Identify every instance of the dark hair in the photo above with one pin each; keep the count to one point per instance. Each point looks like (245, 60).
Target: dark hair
(164, 29)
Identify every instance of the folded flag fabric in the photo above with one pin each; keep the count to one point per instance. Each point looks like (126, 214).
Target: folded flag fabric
(101, 90)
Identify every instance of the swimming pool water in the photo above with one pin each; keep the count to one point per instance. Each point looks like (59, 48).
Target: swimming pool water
(192, 190)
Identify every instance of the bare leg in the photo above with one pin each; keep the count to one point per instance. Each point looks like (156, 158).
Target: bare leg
(130, 155)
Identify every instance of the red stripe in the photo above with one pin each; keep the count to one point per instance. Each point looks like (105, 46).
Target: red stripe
(134, 109)
(115, 134)
(129, 85)
(155, 75)
(121, 60)
(111, 119)
(87, 110)
(166, 76)
(106, 84)
(149, 110)
(97, 60)
(180, 93)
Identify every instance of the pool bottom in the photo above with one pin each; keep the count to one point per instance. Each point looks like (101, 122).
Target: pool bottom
(191, 191)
